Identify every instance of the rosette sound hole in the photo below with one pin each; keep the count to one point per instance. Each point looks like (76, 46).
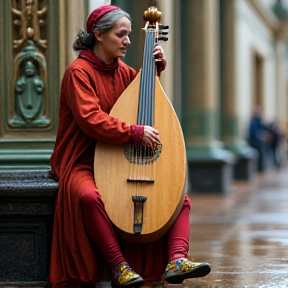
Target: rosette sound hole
(141, 155)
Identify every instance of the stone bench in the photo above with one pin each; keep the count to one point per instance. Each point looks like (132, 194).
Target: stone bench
(26, 221)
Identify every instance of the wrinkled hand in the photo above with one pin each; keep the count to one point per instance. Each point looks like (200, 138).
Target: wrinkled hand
(151, 137)
(158, 52)
(159, 57)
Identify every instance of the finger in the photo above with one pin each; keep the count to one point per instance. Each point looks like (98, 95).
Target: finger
(154, 131)
(146, 141)
(151, 136)
(150, 142)
(158, 52)
(156, 138)
(157, 46)
(150, 130)
(155, 135)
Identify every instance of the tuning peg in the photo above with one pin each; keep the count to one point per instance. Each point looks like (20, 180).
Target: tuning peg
(163, 26)
(163, 33)
(163, 38)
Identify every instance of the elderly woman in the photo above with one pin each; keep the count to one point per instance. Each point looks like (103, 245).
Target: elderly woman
(83, 233)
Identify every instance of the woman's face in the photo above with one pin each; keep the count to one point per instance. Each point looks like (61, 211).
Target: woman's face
(114, 42)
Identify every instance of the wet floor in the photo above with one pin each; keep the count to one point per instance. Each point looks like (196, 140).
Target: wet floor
(244, 236)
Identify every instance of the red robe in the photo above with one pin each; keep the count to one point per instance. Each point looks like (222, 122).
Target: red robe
(83, 118)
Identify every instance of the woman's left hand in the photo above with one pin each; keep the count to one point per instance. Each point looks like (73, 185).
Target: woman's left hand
(159, 57)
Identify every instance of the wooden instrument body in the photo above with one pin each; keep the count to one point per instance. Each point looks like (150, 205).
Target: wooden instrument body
(112, 169)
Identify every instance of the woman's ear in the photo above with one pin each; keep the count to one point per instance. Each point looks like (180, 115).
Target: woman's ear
(98, 35)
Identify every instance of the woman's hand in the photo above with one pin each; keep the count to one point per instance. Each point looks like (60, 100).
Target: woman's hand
(158, 52)
(159, 57)
(151, 137)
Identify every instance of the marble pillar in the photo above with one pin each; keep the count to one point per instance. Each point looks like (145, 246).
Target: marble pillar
(210, 165)
(246, 157)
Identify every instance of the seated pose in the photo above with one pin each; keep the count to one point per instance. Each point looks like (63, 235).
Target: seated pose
(85, 248)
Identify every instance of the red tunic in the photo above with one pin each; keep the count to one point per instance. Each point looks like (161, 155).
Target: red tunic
(83, 118)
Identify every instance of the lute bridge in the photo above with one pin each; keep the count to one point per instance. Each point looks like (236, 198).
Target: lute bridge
(138, 213)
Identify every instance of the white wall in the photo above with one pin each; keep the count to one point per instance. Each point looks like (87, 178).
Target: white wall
(93, 4)
(268, 3)
(253, 36)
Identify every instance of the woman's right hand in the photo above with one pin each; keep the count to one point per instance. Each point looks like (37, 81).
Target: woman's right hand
(151, 137)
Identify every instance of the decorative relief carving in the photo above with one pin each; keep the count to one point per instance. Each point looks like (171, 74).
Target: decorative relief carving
(29, 88)
(30, 19)
(29, 75)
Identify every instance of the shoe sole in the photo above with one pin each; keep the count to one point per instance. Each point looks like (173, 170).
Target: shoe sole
(199, 271)
(135, 284)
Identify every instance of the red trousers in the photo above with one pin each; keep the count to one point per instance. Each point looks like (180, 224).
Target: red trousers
(100, 229)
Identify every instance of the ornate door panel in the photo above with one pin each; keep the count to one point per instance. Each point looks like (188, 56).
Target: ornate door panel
(29, 82)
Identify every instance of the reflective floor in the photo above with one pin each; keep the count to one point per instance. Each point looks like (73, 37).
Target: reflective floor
(244, 235)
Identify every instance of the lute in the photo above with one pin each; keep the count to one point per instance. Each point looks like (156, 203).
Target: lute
(143, 188)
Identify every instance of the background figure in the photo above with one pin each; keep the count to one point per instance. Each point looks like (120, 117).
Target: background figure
(277, 136)
(259, 137)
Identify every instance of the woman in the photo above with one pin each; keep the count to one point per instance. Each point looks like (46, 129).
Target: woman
(83, 237)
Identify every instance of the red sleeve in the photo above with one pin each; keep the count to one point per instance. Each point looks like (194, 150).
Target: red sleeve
(86, 108)
(137, 132)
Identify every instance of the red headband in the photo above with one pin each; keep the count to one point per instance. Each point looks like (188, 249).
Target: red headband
(97, 14)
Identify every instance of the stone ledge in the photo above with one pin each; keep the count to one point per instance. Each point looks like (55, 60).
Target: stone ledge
(23, 284)
(26, 213)
(27, 185)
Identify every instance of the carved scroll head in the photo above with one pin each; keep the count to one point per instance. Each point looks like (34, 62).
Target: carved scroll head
(28, 18)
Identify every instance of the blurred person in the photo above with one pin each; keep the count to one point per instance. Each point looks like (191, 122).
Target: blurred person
(277, 136)
(83, 232)
(259, 137)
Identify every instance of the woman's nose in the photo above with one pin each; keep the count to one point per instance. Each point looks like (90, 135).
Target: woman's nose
(127, 41)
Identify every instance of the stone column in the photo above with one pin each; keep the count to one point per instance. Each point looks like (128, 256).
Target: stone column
(245, 167)
(73, 17)
(210, 165)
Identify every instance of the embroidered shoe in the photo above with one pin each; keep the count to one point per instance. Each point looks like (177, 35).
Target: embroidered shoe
(126, 277)
(181, 269)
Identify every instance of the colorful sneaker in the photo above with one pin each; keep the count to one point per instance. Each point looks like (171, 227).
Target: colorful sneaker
(181, 269)
(126, 277)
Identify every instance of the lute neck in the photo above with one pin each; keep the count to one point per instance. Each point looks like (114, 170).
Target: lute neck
(147, 84)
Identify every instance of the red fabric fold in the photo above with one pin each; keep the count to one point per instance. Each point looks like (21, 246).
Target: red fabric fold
(97, 63)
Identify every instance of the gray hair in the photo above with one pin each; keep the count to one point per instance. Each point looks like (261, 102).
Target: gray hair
(108, 20)
(85, 40)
